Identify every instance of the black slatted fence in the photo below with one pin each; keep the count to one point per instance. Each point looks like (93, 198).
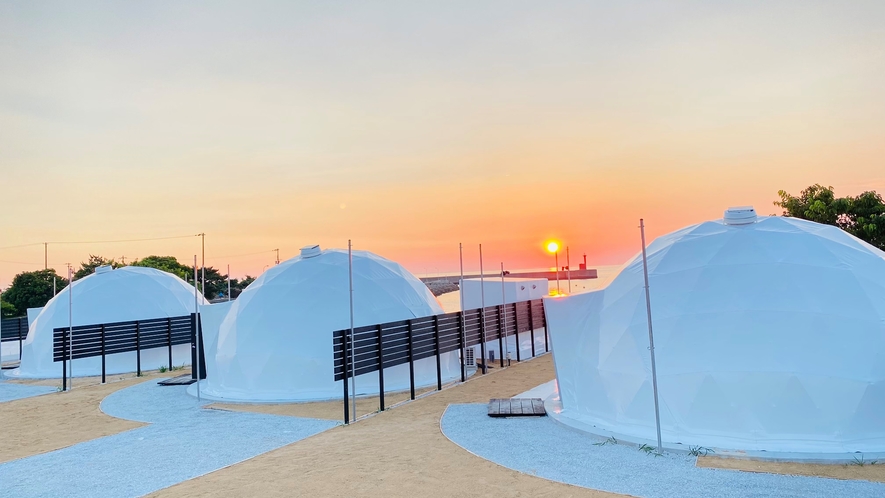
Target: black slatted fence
(385, 345)
(14, 329)
(120, 337)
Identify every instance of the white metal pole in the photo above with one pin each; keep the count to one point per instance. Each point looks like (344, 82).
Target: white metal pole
(203, 267)
(228, 283)
(70, 329)
(54, 292)
(352, 356)
(197, 327)
(482, 301)
(556, 259)
(461, 283)
(504, 317)
(568, 270)
(651, 339)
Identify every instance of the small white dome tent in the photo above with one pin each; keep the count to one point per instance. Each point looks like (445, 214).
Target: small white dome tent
(125, 294)
(275, 344)
(769, 336)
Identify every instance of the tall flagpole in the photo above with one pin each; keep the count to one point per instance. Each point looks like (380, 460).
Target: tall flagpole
(352, 364)
(568, 270)
(651, 338)
(197, 327)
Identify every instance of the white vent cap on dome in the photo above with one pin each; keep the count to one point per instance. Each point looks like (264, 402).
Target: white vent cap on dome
(743, 215)
(103, 269)
(310, 251)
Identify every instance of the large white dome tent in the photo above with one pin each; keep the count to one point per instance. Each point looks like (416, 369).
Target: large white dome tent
(769, 337)
(275, 342)
(124, 294)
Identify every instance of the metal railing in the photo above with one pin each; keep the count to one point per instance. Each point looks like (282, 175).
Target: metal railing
(87, 341)
(14, 329)
(374, 348)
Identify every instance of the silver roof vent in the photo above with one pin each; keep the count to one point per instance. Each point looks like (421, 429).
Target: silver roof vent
(310, 251)
(103, 269)
(743, 215)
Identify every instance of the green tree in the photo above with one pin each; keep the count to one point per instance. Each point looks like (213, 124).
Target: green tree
(32, 290)
(862, 216)
(6, 310)
(216, 283)
(238, 286)
(168, 264)
(88, 267)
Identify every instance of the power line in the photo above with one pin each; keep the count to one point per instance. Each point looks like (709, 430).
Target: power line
(22, 245)
(240, 255)
(125, 240)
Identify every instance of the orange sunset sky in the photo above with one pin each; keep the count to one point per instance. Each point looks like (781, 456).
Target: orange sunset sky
(412, 126)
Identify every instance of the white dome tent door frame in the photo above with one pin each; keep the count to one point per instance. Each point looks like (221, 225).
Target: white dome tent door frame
(106, 339)
(374, 348)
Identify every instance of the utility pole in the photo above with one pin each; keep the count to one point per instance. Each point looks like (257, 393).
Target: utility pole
(203, 266)
(278, 256)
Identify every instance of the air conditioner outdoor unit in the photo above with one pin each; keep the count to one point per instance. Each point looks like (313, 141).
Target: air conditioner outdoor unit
(469, 358)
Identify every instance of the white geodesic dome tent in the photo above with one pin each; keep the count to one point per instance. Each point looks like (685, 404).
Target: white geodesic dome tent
(769, 335)
(125, 294)
(275, 343)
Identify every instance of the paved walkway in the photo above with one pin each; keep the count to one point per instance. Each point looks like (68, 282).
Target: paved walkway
(182, 442)
(10, 391)
(541, 447)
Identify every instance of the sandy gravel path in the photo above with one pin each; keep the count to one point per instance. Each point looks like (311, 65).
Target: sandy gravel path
(400, 452)
(57, 420)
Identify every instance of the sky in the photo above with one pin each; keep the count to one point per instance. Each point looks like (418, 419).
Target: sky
(411, 127)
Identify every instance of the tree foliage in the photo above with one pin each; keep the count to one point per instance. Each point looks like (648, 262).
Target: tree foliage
(6, 310)
(88, 267)
(238, 286)
(862, 216)
(31, 289)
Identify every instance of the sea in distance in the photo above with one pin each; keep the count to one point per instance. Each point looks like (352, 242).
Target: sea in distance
(451, 301)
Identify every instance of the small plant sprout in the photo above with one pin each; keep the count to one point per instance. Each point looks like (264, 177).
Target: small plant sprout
(650, 450)
(699, 451)
(162, 369)
(860, 462)
(610, 440)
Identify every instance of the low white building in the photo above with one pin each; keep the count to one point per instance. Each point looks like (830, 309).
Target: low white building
(493, 291)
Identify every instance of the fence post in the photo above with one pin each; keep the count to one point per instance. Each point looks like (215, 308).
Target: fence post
(500, 335)
(102, 355)
(411, 363)
(344, 364)
(137, 350)
(532, 326)
(380, 368)
(482, 336)
(64, 360)
(546, 337)
(436, 340)
(20, 338)
(516, 328)
(463, 345)
(169, 338)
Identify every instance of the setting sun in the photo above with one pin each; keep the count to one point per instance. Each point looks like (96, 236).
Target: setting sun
(553, 246)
